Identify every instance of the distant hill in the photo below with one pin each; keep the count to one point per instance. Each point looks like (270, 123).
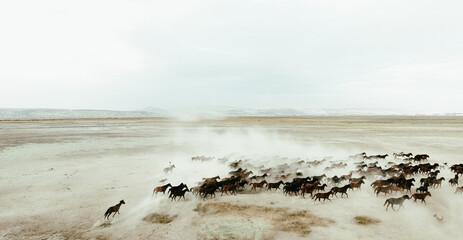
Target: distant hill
(193, 113)
(12, 113)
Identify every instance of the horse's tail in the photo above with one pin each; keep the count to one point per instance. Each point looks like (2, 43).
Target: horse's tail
(385, 202)
(107, 213)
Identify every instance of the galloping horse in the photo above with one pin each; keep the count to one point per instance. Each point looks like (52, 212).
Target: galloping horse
(169, 169)
(395, 201)
(114, 209)
(161, 189)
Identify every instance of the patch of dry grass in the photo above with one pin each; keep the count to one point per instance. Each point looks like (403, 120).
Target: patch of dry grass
(364, 220)
(105, 224)
(282, 219)
(159, 218)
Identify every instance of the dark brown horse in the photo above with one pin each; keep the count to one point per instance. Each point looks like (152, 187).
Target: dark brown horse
(421, 157)
(325, 196)
(179, 194)
(114, 209)
(276, 185)
(343, 190)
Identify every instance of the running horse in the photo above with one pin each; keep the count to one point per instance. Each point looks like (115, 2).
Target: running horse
(114, 209)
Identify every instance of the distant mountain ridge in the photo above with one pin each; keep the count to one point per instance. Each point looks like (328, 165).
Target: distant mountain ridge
(192, 113)
(24, 113)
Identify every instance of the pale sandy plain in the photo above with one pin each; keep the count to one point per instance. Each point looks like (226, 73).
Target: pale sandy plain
(58, 177)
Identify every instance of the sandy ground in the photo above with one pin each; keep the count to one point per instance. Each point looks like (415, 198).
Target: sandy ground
(58, 177)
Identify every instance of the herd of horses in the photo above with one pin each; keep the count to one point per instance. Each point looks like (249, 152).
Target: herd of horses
(387, 178)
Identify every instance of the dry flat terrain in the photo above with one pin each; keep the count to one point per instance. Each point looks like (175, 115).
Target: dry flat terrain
(58, 177)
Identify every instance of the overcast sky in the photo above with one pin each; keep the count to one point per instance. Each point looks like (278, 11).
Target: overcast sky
(125, 55)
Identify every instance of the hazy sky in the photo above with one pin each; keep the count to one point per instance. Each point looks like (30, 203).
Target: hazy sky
(127, 55)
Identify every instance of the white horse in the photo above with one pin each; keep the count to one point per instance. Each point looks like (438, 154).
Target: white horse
(169, 169)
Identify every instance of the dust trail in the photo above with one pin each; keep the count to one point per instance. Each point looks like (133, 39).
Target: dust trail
(267, 148)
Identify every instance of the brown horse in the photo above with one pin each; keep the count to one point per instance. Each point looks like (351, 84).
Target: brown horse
(356, 180)
(343, 190)
(276, 185)
(258, 185)
(161, 189)
(230, 188)
(454, 181)
(437, 182)
(114, 209)
(358, 184)
(210, 180)
(325, 196)
(421, 157)
(421, 196)
(383, 189)
(320, 188)
(309, 188)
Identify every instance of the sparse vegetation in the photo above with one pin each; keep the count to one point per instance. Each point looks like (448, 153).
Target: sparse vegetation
(159, 218)
(364, 220)
(105, 224)
(281, 218)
